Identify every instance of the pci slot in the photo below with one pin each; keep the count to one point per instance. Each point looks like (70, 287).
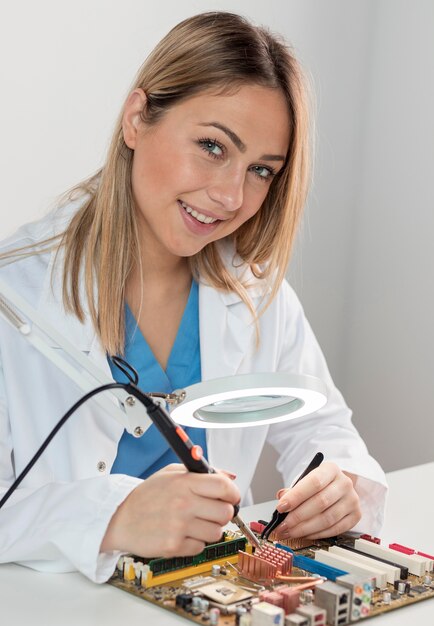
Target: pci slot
(392, 573)
(403, 570)
(416, 565)
(353, 567)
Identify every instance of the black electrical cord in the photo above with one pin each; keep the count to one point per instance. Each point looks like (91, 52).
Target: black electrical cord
(188, 453)
(52, 434)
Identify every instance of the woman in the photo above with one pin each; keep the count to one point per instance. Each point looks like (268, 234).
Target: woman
(173, 256)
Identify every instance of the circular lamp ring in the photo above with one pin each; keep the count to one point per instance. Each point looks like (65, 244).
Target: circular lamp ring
(249, 400)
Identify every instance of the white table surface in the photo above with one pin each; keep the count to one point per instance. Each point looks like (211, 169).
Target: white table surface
(29, 597)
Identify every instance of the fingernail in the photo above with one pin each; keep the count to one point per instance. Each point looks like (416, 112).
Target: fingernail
(282, 506)
(230, 475)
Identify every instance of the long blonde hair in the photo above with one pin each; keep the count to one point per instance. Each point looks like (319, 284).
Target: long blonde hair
(220, 51)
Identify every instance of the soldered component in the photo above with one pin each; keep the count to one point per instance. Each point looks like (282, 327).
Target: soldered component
(402, 586)
(265, 614)
(387, 597)
(335, 599)
(315, 615)
(266, 564)
(224, 592)
(184, 600)
(403, 571)
(392, 573)
(361, 595)
(295, 619)
(416, 564)
(400, 548)
(353, 566)
(283, 596)
(314, 567)
(366, 537)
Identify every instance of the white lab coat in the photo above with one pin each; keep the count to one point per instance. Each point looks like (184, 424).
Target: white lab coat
(57, 518)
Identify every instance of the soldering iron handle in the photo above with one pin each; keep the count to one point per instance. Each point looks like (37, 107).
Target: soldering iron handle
(190, 455)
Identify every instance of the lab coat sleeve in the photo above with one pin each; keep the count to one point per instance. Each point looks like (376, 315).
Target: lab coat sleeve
(329, 430)
(41, 527)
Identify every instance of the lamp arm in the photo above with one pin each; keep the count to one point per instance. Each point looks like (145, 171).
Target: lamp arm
(71, 361)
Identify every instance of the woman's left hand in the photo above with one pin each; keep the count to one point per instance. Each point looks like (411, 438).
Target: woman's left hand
(323, 504)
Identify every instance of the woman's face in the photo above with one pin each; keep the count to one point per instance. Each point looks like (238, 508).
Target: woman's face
(205, 168)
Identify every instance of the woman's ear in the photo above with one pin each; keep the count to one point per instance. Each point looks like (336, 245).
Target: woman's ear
(131, 118)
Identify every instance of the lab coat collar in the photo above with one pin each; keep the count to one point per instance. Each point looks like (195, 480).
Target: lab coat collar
(227, 327)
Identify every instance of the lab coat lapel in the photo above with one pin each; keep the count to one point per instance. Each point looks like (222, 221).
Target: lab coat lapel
(81, 335)
(226, 333)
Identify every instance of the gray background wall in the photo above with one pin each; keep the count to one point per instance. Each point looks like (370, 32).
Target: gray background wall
(363, 261)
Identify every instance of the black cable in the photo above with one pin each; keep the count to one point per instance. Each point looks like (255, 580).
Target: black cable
(126, 369)
(179, 442)
(52, 434)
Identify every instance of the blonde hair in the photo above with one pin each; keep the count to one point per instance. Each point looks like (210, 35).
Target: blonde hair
(220, 51)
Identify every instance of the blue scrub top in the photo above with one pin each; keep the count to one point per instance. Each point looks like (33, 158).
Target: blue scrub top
(143, 456)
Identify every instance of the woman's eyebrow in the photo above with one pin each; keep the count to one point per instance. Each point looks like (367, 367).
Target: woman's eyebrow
(239, 143)
(230, 133)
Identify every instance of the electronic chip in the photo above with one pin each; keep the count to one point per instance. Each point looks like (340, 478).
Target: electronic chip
(418, 589)
(224, 592)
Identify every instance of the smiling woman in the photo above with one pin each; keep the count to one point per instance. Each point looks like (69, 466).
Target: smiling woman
(198, 189)
(172, 255)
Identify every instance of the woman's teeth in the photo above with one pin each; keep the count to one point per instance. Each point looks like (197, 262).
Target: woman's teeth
(198, 216)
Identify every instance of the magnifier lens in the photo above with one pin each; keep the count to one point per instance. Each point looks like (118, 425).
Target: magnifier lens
(249, 403)
(248, 409)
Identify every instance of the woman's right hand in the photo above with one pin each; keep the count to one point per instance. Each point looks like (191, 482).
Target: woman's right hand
(172, 513)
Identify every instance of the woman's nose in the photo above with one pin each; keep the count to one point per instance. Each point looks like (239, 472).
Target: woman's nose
(228, 190)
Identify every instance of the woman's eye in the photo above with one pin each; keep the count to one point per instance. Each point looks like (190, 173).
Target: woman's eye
(265, 173)
(212, 147)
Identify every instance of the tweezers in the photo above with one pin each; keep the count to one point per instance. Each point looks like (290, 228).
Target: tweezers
(277, 517)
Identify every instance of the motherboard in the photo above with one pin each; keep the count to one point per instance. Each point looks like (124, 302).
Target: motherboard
(296, 582)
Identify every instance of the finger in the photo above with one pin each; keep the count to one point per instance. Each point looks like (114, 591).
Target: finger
(308, 486)
(346, 523)
(205, 531)
(215, 486)
(318, 503)
(182, 546)
(324, 521)
(230, 475)
(174, 467)
(215, 511)
(191, 546)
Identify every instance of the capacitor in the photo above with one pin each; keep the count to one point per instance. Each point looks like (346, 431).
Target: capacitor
(120, 563)
(387, 597)
(196, 605)
(306, 596)
(184, 600)
(240, 610)
(215, 570)
(204, 605)
(214, 616)
(427, 580)
(401, 587)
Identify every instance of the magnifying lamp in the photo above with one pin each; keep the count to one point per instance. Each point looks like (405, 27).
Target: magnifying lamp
(236, 401)
(244, 400)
